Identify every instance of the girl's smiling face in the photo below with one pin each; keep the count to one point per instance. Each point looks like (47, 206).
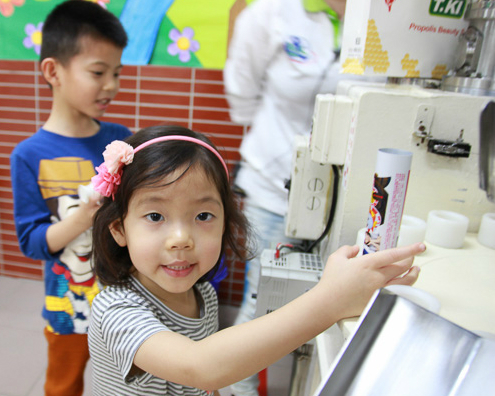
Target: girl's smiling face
(173, 233)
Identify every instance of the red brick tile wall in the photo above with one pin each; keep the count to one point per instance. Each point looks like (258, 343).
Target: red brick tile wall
(149, 95)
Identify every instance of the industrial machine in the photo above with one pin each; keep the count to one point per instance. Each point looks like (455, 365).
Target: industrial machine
(442, 130)
(449, 126)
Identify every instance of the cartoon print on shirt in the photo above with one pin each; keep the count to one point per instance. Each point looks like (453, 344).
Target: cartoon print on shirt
(59, 179)
(77, 254)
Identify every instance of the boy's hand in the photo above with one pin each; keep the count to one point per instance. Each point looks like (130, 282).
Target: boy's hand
(60, 234)
(87, 210)
(355, 279)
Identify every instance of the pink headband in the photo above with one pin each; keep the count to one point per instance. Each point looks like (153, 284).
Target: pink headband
(119, 153)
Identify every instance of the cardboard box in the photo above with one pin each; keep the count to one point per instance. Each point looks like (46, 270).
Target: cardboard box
(402, 38)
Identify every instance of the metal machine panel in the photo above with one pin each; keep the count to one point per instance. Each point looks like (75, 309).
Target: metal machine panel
(403, 349)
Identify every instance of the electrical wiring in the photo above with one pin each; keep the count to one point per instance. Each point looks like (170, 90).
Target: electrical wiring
(280, 246)
(336, 179)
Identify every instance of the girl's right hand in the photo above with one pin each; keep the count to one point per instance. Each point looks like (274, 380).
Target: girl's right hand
(353, 280)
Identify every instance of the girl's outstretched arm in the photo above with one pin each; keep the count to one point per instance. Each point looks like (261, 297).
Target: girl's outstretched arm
(232, 354)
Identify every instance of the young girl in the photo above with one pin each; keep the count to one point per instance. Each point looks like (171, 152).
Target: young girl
(159, 236)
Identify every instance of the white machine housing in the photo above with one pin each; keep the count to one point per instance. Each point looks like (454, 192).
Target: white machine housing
(310, 194)
(402, 117)
(285, 278)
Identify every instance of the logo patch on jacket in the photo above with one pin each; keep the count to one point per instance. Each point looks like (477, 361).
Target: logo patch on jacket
(298, 49)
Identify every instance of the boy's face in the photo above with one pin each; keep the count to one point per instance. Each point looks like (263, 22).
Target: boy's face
(90, 80)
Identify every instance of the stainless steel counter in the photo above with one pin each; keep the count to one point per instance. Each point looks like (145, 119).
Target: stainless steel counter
(463, 280)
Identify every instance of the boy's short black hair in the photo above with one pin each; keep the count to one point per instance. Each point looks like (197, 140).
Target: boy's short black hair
(74, 19)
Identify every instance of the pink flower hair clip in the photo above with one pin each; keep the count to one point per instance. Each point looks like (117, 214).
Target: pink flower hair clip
(116, 155)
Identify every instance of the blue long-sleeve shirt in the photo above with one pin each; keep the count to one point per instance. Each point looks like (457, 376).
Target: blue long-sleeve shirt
(46, 171)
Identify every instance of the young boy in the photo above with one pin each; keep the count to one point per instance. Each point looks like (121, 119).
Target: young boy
(80, 60)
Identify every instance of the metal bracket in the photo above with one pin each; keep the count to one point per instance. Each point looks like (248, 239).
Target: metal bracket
(422, 129)
(457, 149)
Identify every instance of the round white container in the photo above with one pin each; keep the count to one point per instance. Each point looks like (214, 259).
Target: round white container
(446, 229)
(412, 230)
(486, 234)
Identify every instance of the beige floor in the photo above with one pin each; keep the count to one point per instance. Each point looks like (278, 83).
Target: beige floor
(23, 346)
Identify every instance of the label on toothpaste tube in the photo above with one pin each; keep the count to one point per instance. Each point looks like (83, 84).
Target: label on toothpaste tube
(387, 200)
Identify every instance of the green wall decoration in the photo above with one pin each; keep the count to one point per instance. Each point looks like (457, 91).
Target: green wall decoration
(189, 33)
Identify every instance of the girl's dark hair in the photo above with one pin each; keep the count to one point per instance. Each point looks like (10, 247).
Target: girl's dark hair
(112, 263)
(72, 20)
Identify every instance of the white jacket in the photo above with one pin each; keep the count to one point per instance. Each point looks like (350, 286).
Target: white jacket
(280, 57)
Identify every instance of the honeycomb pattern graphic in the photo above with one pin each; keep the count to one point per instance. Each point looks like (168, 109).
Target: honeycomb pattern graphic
(439, 71)
(410, 65)
(352, 66)
(374, 55)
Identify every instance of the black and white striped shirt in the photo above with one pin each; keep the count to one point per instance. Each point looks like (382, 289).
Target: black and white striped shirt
(122, 318)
